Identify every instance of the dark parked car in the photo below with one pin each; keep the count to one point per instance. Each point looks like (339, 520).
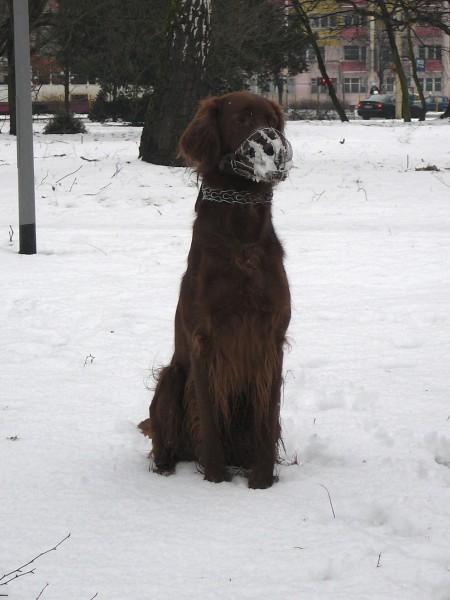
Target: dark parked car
(436, 103)
(382, 106)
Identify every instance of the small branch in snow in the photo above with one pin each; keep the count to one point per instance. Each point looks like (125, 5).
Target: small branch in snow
(118, 169)
(41, 592)
(99, 191)
(11, 234)
(43, 179)
(89, 159)
(96, 248)
(69, 174)
(440, 179)
(379, 561)
(329, 498)
(87, 359)
(317, 196)
(361, 188)
(16, 573)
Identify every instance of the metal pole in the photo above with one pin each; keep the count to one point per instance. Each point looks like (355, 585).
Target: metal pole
(25, 159)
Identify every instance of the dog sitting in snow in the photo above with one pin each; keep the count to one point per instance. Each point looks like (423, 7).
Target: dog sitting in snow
(218, 401)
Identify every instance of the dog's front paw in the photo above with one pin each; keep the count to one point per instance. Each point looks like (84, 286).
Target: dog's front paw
(258, 481)
(165, 470)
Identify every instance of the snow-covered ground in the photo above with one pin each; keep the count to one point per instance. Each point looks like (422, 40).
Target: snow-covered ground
(366, 411)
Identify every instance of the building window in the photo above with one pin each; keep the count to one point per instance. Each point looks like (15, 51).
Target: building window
(430, 52)
(354, 20)
(390, 84)
(311, 55)
(324, 22)
(358, 53)
(355, 85)
(431, 84)
(317, 87)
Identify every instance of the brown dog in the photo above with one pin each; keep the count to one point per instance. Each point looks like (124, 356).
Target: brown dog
(218, 401)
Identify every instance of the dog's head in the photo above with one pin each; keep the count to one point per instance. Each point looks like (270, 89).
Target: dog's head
(222, 124)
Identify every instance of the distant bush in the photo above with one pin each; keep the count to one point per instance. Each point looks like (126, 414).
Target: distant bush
(65, 123)
(310, 110)
(124, 108)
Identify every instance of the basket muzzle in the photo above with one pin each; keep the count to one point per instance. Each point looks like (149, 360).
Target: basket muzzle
(266, 155)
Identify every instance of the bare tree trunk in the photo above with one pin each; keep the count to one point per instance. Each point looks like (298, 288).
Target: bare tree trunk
(279, 84)
(415, 76)
(304, 19)
(67, 90)
(179, 84)
(386, 18)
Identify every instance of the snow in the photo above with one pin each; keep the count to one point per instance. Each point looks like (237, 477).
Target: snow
(366, 409)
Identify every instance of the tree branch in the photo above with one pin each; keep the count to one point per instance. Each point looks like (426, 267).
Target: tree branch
(16, 573)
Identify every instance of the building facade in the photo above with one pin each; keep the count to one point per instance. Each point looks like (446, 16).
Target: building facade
(357, 56)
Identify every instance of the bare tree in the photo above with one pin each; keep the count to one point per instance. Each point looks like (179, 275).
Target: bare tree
(396, 18)
(265, 45)
(37, 19)
(304, 11)
(109, 40)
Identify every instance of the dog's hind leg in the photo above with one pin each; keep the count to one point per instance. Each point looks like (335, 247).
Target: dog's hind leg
(165, 422)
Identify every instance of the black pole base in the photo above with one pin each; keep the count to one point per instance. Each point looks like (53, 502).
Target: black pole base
(27, 236)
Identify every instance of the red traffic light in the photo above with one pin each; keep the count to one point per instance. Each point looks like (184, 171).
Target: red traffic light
(326, 81)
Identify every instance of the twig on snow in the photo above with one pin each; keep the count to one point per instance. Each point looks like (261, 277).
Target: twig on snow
(317, 196)
(118, 169)
(361, 188)
(99, 191)
(87, 358)
(16, 573)
(69, 174)
(329, 498)
(440, 180)
(41, 592)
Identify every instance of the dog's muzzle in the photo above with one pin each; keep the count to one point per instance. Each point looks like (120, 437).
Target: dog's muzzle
(265, 155)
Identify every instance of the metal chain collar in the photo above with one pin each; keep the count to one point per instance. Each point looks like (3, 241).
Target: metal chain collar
(233, 197)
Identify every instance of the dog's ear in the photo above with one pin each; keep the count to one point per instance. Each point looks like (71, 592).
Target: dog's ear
(280, 116)
(200, 143)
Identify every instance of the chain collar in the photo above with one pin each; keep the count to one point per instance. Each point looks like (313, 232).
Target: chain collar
(233, 197)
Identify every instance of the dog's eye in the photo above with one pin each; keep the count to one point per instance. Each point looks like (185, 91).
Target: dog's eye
(241, 120)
